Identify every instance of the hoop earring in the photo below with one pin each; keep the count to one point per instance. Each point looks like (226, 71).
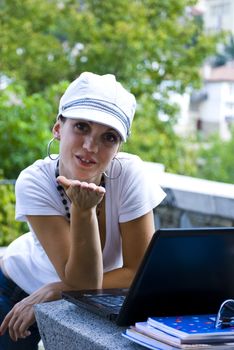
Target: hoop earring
(48, 149)
(116, 177)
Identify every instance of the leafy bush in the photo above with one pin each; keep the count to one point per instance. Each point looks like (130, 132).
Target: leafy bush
(215, 158)
(154, 48)
(10, 229)
(25, 125)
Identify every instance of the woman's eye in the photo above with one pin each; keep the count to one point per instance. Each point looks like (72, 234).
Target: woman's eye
(82, 127)
(110, 138)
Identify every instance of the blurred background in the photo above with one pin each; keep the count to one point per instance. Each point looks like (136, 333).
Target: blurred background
(175, 56)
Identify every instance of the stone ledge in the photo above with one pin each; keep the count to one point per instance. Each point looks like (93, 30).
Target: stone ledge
(194, 194)
(64, 326)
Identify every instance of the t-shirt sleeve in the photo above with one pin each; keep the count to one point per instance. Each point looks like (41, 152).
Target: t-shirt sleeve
(140, 192)
(36, 194)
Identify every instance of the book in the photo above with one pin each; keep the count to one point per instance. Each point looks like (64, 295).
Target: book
(133, 335)
(144, 340)
(148, 330)
(191, 329)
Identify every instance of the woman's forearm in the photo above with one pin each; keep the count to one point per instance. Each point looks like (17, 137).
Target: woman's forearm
(118, 278)
(84, 268)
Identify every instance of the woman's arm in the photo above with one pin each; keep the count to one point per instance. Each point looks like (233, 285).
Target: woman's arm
(74, 249)
(21, 316)
(57, 242)
(136, 235)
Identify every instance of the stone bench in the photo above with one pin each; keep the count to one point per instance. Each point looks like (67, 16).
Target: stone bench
(64, 326)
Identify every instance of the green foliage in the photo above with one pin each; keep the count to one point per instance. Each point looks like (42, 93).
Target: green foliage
(154, 47)
(30, 50)
(25, 126)
(9, 228)
(216, 159)
(143, 42)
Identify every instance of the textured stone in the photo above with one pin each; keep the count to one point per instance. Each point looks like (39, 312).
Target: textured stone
(64, 326)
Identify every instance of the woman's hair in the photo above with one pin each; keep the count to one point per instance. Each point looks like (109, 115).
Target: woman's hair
(62, 118)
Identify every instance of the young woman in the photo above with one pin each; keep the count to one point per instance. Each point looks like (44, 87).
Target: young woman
(89, 209)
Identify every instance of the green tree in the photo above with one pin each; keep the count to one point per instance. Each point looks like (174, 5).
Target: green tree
(216, 159)
(9, 228)
(154, 47)
(25, 126)
(30, 48)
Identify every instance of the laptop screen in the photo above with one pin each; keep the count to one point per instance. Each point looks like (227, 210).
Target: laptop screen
(186, 271)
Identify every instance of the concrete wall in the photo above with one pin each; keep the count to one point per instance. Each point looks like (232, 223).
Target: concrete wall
(192, 202)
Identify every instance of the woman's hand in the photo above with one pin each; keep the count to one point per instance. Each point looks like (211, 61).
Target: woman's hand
(18, 320)
(82, 194)
(22, 316)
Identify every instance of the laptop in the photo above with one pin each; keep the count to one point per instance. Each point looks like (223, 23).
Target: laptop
(184, 271)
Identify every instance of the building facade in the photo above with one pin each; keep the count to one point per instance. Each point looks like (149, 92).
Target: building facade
(212, 108)
(218, 15)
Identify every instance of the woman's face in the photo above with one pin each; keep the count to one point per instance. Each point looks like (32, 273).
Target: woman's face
(86, 148)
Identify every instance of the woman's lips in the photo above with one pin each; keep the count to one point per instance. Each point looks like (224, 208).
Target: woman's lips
(85, 161)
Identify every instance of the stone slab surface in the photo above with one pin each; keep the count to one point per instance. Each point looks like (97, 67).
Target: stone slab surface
(64, 326)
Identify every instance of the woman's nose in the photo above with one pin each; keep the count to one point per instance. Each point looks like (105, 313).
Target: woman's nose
(90, 144)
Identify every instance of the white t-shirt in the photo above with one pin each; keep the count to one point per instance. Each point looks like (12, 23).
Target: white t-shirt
(129, 195)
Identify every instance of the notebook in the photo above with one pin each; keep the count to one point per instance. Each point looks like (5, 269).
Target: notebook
(183, 272)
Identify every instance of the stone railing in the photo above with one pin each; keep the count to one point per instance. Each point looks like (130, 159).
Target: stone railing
(192, 202)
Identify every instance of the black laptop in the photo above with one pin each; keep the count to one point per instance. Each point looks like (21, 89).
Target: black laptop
(184, 271)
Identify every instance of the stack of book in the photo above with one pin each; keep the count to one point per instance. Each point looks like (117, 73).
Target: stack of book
(184, 332)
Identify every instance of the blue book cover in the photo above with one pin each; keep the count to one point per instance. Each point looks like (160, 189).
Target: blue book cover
(193, 328)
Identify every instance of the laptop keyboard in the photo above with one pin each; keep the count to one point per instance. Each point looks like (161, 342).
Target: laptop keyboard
(109, 300)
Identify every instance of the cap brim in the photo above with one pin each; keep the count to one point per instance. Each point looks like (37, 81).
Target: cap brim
(99, 117)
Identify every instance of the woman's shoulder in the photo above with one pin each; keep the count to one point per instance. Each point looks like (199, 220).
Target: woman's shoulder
(128, 158)
(124, 169)
(38, 171)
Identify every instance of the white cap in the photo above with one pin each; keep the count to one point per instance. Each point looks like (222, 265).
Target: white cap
(100, 99)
